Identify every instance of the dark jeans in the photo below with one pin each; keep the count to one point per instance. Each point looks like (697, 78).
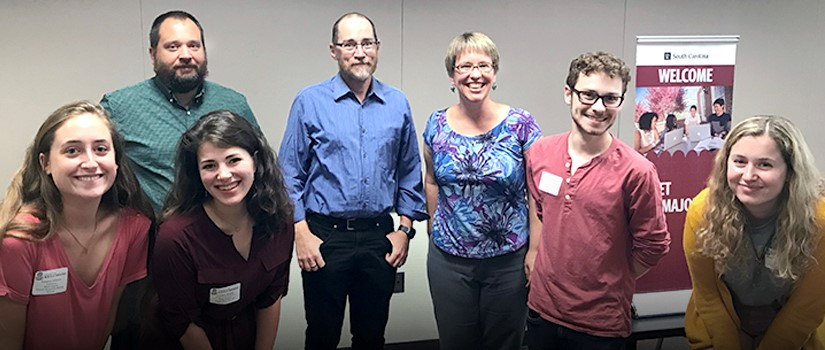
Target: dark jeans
(543, 334)
(478, 303)
(355, 268)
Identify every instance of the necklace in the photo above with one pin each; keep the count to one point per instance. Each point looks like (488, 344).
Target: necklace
(759, 254)
(85, 248)
(223, 224)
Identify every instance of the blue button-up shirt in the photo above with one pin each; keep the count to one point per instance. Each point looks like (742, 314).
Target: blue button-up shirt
(347, 159)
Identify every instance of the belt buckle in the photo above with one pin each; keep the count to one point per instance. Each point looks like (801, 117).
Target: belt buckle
(349, 224)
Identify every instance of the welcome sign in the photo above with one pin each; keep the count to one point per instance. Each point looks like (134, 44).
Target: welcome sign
(686, 84)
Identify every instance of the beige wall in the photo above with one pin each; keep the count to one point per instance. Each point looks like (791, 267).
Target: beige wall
(53, 52)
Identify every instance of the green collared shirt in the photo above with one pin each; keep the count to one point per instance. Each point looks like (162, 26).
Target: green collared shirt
(151, 122)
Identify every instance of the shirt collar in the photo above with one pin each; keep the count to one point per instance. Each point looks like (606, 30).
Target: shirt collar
(167, 93)
(340, 88)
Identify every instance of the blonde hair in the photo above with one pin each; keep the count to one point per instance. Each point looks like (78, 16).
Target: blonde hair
(470, 41)
(722, 236)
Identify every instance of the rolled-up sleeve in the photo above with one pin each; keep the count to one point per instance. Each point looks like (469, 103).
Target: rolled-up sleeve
(17, 257)
(175, 279)
(410, 200)
(647, 224)
(293, 156)
(276, 262)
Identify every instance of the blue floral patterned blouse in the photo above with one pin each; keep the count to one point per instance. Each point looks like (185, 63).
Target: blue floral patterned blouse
(482, 194)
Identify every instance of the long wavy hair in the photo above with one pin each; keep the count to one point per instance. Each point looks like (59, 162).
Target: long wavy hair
(33, 192)
(267, 201)
(722, 237)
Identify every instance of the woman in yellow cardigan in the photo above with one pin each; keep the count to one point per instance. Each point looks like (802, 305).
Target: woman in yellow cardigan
(752, 243)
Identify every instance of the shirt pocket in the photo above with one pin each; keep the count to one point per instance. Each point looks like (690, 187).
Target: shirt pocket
(216, 288)
(274, 280)
(273, 261)
(383, 144)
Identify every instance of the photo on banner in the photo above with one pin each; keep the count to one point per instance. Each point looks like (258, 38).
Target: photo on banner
(684, 103)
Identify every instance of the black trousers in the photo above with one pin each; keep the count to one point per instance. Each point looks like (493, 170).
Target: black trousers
(355, 268)
(543, 334)
(478, 303)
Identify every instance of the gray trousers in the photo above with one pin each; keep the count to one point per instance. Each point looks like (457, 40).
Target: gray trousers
(478, 303)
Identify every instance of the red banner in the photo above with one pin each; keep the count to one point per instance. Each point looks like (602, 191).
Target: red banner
(682, 177)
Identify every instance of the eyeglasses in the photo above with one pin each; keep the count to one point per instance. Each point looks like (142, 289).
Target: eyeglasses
(591, 97)
(483, 67)
(366, 45)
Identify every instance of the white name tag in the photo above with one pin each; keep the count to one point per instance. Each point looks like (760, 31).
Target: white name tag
(49, 282)
(225, 295)
(550, 183)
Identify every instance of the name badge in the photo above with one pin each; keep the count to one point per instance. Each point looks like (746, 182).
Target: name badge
(48, 282)
(225, 295)
(550, 183)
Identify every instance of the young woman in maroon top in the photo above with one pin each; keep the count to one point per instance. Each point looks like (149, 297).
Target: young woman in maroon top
(220, 263)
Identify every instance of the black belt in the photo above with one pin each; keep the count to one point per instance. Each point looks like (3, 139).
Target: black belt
(360, 224)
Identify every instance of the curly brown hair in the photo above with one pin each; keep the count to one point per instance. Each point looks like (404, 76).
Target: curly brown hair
(599, 61)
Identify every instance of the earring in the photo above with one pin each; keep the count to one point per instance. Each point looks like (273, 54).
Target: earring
(495, 85)
(452, 88)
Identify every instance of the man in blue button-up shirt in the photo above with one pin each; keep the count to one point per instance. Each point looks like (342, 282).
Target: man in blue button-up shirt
(350, 157)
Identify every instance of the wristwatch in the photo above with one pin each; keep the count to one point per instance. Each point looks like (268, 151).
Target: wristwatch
(409, 231)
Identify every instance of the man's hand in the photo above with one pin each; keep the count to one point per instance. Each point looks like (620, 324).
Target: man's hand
(307, 248)
(400, 245)
(529, 263)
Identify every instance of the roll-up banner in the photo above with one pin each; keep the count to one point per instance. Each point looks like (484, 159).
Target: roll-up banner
(684, 103)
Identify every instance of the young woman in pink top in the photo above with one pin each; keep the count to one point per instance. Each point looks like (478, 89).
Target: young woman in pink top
(74, 231)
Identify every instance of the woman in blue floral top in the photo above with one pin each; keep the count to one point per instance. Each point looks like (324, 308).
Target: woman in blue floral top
(479, 261)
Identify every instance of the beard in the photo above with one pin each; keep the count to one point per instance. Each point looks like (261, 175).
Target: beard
(181, 84)
(586, 130)
(361, 72)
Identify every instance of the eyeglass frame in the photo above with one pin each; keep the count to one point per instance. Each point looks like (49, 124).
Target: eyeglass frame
(457, 69)
(598, 97)
(355, 45)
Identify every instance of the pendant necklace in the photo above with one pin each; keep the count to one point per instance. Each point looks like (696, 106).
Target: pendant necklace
(760, 254)
(85, 249)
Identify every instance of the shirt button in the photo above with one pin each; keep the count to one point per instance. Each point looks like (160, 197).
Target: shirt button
(567, 165)
(567, 197)
(568, 180)
(365, 180)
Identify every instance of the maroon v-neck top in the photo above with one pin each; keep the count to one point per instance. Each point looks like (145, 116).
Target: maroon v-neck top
(201, 278)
